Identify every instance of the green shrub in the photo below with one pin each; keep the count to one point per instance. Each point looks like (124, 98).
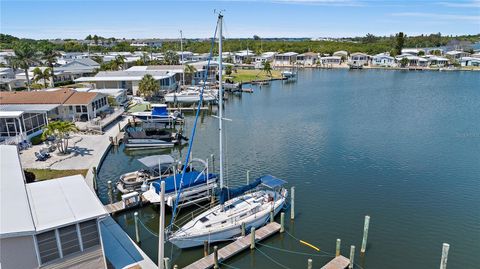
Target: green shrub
(36, 140)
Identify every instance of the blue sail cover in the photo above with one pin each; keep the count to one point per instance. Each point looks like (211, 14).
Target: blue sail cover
(190, 179)
(227, 193)
(159, 111)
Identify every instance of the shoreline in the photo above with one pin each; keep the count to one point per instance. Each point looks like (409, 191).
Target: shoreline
(413, 68)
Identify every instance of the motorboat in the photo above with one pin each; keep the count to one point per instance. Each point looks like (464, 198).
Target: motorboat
(159, 114)
(289, 74)
(188, 96)
(154, 167)
(193, 186)
(153, 138)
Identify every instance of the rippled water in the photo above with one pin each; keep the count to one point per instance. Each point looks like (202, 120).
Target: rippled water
(403, 147)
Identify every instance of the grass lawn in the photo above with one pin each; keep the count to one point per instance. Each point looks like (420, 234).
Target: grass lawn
(43, 174)
(243, 75)
(137, 108)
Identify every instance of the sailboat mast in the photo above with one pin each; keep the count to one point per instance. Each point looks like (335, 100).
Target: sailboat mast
(220, 97)
(181, 49)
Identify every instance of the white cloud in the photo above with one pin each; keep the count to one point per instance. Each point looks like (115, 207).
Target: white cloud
(438, 16)
(462, 4)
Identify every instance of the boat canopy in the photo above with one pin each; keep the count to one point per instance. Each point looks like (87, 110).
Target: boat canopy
(271, 181)
(159, 110)
(154, 160)
(230, 193)
(190, 179)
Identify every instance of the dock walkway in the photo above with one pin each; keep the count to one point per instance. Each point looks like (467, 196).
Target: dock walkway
(339, 262)
(235, 247)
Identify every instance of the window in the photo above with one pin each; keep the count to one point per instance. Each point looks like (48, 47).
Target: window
(78, 109)
(69, 239)
(47, 246)
(89, 232)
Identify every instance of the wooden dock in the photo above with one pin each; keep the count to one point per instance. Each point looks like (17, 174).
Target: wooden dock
(339, 262)
(115, 207)
(236, 247)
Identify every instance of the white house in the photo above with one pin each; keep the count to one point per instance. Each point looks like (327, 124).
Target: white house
(264, 57)
(287, 58)
(341, 53)
(8, 80)
(456, 54)
(469, 61)
(383, 59)
(331, 60)
(413, 60)
(437, 61)
(307, 58)
(358, 59)
(243, 56)
(412, 51)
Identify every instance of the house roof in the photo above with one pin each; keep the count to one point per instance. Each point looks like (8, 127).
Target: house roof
(309, 54)
(62, 201)
(15, 217)
(80, 98)
(27, 108)
(61, 96)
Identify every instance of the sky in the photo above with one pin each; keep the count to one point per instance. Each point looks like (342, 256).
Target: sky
(49, 19)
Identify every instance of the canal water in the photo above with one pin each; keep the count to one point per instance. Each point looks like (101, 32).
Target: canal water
(402, 147)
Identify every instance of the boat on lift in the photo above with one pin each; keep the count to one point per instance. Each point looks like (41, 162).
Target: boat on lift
(159, 138)
(189, 96)
(159, 114)
(247, 204)
(154, 167)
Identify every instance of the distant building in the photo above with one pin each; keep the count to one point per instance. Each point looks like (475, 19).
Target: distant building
(412, 51)
(437, 61)
(153, 43)
(358, 59)
(307, 58)
(383, 59)
(413, 60)
(8, 80)
(331, 60)
(341, 53)
(456, 54)
(469, 61)
(287, 58)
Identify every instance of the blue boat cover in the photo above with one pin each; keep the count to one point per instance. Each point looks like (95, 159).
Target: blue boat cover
(230, 193)
(159, 111)
(271, 181)
(120, 251)
(190, 179)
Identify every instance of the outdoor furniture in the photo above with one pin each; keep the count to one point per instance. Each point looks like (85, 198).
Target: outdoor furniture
(40, 157)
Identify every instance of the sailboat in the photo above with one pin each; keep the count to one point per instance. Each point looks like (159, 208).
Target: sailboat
(246, 205)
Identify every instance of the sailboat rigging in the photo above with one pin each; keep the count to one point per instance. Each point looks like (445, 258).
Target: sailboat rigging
(237, 206)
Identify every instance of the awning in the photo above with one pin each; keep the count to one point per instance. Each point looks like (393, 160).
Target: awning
(155, 160)
(271, 181)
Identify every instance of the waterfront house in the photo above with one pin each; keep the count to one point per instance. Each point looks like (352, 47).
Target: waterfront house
(308, 58)
(469, 61)
(8, 80)
(358, 59)
(383, 59)
(341, 53)
(66, 57)
(456, 54)
(437, 61)
(24, 114)
(331, 60)
(58, 223)
(413, 60)
(287, 58)
(412, 51)
(243, 57)
(130, 79)
(264, 57)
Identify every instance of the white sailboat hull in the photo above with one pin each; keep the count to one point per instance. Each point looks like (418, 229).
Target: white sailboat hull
(232, 228)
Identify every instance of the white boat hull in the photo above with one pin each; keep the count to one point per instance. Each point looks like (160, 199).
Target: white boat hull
(147, 143)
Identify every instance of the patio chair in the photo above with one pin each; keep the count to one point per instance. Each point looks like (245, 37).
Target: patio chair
(40, 157)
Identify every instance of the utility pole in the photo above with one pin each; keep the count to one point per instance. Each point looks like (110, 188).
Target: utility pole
(161, 224)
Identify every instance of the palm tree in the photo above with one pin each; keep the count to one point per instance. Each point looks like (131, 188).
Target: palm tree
(49, 55)
(61, 131)
(267, 68)
(148, 86)
(38, 75)
(170, 57)
(119, 62)
(25, 56)
(190, 71)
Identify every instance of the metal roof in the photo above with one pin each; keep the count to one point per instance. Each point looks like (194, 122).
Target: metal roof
(15, 217)
(28, 108)
(62, 201)
(10, 114)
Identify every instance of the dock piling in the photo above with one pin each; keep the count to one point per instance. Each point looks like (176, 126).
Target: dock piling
(337, 249)
(248, 177)
(110, 191)
(352, 256)
(271, 216)
(443, 261)
(310, 264)
(94, 172)
(119, 128)
(365, 234)
(205, 248)
(243, 229)
(137, 232)
(282, 222)
(292, 204)
(215, 257)
(213, 162)
(252, 238)
(167, 262)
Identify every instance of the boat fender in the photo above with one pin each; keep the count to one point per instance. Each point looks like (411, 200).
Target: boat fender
(170, 201)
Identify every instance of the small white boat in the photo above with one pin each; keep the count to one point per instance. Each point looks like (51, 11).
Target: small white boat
(288, 74)
(188, 96)
(147, 143)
